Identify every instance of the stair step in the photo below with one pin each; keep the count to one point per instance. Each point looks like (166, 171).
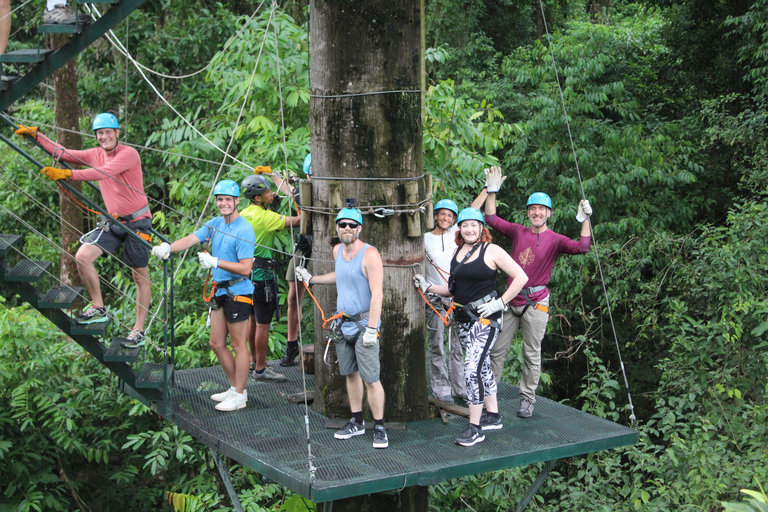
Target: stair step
(119, 354)
(89, 329)
(27, 271)
(60, 297)
(8, 241)
(151, 376)
(29, 55)
(57, 28)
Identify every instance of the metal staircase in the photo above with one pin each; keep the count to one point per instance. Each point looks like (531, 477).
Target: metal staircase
(45, 61)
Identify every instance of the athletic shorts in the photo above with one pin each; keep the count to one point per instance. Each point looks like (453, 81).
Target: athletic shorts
(290, 274)
(135, 252)
(234, 311)
(262, 308)
(353, 356)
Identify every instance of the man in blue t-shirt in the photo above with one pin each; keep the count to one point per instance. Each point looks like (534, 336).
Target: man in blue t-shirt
(230, 260)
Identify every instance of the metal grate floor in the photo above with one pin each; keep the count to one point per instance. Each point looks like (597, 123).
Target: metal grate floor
(269, 435)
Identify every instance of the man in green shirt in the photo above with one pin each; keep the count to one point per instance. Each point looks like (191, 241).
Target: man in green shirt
(266, 224)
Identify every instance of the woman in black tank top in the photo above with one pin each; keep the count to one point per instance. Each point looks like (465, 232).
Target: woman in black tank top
(472, 285)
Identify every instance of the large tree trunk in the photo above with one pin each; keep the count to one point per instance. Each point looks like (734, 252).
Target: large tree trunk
(67, 113)
(373, 144)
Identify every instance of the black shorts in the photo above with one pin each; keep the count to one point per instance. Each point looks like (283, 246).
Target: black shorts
(264, 301)
(234, 311)
(135, 252)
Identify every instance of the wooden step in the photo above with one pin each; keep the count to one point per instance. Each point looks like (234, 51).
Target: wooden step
(120, 354)
(8, 241)
(27, 271)
(30, 55)
(151, 376)
(59, 297)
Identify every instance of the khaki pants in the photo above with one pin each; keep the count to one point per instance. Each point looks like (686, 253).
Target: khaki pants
(534, 326)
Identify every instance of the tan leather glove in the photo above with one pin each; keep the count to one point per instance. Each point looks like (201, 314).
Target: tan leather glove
(56, 174)
(262, 169)
(30, 131)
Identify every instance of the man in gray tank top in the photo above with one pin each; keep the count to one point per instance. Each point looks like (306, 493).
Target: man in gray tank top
(359, 278)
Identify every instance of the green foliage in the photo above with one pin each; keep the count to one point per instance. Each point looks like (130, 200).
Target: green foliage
(757, 503)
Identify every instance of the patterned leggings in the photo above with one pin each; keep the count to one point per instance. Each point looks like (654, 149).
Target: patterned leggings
(477, 340)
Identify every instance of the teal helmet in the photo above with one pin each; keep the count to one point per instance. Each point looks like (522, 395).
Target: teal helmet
(351, 214)
(254, 185)
(105, 120)
(539, 198)
(226, 188)
(447, 204)
(471, 214)
(308, 164)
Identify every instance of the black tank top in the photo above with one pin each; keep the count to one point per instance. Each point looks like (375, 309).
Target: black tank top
(474, 280)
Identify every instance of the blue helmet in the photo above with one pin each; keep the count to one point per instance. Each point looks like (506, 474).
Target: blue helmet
(226, 188)
(308, 164)
(447, 204)
(105, 120)
(471, 214)
(351, 214)
(539, 198)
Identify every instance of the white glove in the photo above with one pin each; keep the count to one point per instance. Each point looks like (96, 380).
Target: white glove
(420, 282)
(208, 261)
(494, 179)
(491, 307)
(303, 275)
(371, 337)
(162, 251)
(585, 211)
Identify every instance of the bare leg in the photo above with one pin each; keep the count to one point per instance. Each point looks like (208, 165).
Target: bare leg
(218, 343)
(355, 392)
(237, 338)
(143, 296)
(85, 257)
(261, 341)
(5, 24)
(375, 399)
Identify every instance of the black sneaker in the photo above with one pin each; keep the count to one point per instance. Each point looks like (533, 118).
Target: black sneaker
(488, 422)
(471, 436)
(289, 358)
(92, 315)
(351, 429)
(380, 437)
(526, 408)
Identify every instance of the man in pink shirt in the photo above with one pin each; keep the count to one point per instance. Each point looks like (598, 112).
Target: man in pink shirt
(535, 249)
(117, 168)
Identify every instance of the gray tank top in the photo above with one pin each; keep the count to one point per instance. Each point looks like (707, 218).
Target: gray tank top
(353, 291)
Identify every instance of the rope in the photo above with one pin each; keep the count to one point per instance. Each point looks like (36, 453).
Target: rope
(630, 406)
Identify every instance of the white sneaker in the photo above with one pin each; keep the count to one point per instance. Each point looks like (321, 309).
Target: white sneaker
(220, 397)
(233, 403)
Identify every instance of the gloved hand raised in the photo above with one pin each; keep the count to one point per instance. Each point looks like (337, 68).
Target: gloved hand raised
(494, 179)
(585, 211)
(491, 307)
(303, 275)
(371, 337)
(261, 169)
(208, 261)
(162, 251)
(420, 282)
(30, 131)
(56, 174)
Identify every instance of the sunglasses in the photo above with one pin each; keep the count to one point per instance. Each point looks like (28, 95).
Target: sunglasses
(343, 225)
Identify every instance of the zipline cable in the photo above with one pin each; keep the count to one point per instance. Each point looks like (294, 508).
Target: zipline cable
(630, 406)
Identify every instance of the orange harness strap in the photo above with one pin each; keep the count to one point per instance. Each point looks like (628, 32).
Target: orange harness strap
(322, 313)
(447, 312)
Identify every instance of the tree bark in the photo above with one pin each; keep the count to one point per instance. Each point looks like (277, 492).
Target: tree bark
(67, 114)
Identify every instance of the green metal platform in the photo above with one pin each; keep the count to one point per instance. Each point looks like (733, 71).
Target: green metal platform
(269, 435)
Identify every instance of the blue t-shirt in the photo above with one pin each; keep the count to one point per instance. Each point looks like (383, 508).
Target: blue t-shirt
(229, 242)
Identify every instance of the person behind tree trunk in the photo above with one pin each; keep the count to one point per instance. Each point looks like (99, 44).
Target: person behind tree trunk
(535, 249)
(359, 280)
(231, 261)
(265, 224)
(117, 168)
(473, 287)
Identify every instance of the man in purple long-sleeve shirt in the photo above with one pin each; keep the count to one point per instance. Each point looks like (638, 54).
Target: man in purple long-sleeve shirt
(535, 249)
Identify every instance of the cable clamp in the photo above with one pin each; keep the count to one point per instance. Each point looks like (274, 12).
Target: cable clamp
(383, 212)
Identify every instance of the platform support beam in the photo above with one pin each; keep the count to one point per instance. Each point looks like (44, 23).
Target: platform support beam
(227, 481)
(536, 484)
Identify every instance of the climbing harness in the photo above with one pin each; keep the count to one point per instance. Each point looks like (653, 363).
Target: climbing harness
(525, 293)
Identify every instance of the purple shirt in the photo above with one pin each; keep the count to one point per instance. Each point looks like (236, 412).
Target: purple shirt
(536, 253)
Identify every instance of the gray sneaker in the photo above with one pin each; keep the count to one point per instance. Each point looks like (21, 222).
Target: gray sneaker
(64, 15)
(526, 408)
(380, 437)
(92, 315)
(488, 422)
(269, 375)
(352, 428)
